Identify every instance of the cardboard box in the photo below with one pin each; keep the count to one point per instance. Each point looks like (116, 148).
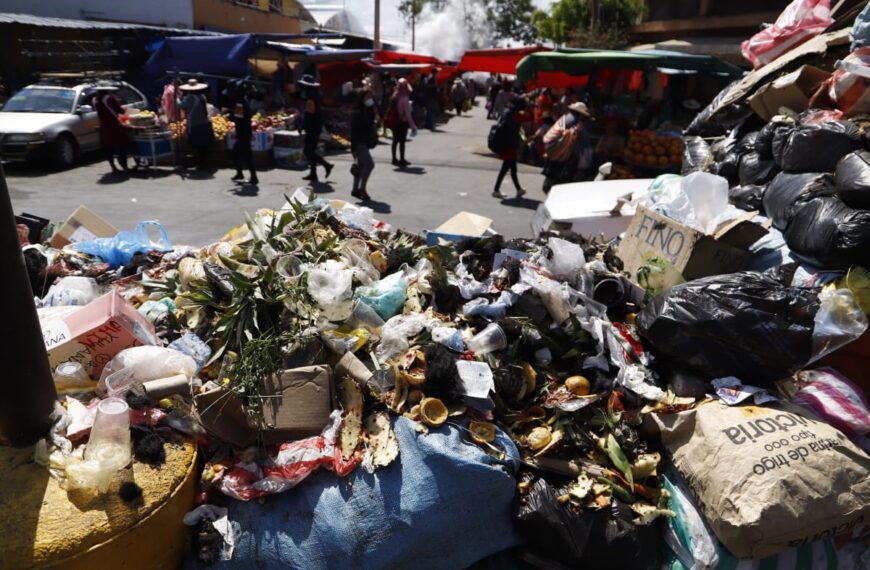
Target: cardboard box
(792, 90)
(588, 208)
(463, 224)
(221, 413)
(693, 253)
(297, 403)
(82, 225)
(93, 334)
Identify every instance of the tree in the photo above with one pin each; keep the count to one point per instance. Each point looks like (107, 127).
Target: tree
(512, 20)
(410, 8)
(571, 22)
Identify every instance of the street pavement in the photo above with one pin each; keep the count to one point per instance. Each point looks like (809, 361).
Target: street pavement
(451, 171)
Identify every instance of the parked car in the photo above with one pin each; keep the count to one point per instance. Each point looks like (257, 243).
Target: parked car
(56, 122)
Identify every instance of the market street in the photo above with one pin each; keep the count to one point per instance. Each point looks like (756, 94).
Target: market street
(451, 171)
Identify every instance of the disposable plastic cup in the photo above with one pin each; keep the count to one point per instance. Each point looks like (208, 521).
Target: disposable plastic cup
(490, 339)
(70, 372)
(118, 383)
(109, 444)
(289, 267)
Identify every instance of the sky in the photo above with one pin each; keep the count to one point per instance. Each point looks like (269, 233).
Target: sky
(437, 34)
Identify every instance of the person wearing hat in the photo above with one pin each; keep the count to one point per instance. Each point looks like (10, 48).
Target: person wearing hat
(400, 104)
(562, 145)
(199, 132)
(313, 123)
(113, 137)
(240, 108)
(513, 118)
(459, 94)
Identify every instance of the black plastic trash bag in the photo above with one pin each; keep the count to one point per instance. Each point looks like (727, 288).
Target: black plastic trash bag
(764, 141)
(853, 179)
(786, 190)
(730, 152)
(558, 534)
(828, 233)
(756, 170)
(747, 197)
(697, 156)
(817, 148)
(748, 324)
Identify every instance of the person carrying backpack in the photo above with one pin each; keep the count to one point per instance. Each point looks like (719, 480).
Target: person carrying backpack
(508, 130)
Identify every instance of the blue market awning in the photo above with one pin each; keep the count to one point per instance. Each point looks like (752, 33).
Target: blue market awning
(230, 54)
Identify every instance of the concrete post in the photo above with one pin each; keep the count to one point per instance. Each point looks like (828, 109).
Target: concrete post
(26, 382)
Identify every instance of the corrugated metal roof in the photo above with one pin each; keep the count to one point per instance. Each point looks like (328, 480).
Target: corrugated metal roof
(30, 20)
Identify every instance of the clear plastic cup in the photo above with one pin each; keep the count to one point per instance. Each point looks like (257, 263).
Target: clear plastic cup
(70, 372)
(109, 444)
(488, 340)
(118, 383)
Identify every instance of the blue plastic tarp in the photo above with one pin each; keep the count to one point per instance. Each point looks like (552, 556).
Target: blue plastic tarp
(227, 55)
(443, 503)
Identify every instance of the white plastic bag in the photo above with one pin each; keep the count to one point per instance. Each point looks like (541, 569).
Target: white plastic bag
(329, 282)
(708, 196)
(568, 257)
(838, 321)
(72, 291)
(144, 363)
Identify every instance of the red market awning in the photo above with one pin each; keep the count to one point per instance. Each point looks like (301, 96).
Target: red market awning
(500, 60)
(408, 57)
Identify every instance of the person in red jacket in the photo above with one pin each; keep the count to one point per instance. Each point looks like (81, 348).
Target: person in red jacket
(113, 137)
(515, 115)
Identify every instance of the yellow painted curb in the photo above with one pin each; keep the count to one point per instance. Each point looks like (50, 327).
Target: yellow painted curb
(44, 527)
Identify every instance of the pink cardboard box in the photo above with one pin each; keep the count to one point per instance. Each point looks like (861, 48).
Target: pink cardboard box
(91, 335)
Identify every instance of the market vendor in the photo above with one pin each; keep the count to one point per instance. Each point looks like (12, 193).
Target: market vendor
(113, 137)
(563, 144)
(199, 131)
(241, 116)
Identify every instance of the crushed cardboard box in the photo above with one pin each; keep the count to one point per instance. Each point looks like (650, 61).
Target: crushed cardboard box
(82, 225)
(693, 253)
(792, 91)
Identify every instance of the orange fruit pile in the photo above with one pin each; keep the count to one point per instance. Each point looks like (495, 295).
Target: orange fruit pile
(645, 148)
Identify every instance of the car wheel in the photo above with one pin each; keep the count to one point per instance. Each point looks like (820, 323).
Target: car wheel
(64, 152)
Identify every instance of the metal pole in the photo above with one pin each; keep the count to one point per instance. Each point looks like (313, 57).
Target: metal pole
(377, 25)
(414, 25)
(26, 380)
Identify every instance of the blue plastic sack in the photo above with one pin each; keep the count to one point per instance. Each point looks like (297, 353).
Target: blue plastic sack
(443, 503)
(386, 296)
(119, 250)
(861, 29)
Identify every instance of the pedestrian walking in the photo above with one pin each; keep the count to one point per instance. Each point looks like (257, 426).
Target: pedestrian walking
(459, 94)
(363, 138)
(240, 104)
(509, 128)
(199, 132)
(113, 137)
(402, 121)
(430, 94)
(313, 124)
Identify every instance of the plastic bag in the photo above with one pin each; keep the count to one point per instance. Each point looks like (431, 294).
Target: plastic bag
(853, 179)
(697, 156)
(818, 148)
(828, 233)
(559, 535)
(786, 190)
(800, 21)
(850, 82)
(708, 197)
(568, 257)
(836, 399)
(119, 250)
(756, 170)
(355, 253)
(397, 331)
(839, 321)
(749, 197)
(861, 29)
(386, 296)
(71, 291)
(658, 275)
(145, 363)
(687, 533)
(766, 136)
(749, 325)
(329, 282)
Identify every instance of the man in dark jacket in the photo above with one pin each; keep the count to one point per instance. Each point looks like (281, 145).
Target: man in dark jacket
(240, 111)
(313, 124)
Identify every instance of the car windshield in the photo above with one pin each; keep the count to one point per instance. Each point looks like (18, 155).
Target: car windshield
(41, 100)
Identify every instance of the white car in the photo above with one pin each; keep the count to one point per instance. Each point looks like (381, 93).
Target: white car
(56, 122)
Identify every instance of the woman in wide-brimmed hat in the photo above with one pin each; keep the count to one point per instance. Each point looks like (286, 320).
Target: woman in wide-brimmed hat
(195, 106)
(313, 123)
(113, 136)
